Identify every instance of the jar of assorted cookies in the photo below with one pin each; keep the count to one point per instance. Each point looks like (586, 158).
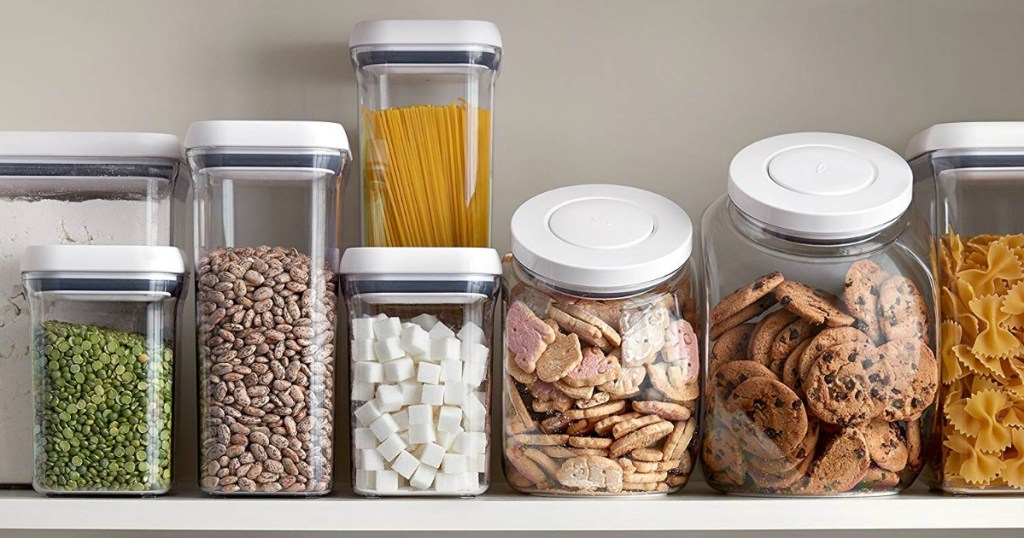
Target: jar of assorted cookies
(969, 177)
(821, 376)
(601, 355)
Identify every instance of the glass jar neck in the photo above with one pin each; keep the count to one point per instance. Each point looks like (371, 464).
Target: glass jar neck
(521, 273)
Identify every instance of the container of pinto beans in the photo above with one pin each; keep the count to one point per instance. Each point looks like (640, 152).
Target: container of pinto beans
(266, 196)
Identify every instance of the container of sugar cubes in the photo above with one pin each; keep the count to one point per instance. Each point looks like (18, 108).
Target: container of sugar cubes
(420, 329)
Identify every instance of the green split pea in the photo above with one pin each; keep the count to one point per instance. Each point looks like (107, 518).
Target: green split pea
(103, 410)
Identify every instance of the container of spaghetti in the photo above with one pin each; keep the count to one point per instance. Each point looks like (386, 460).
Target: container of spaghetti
(426, 95)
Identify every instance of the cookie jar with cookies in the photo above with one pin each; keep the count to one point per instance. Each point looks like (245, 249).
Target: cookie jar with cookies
(971, 176)
(420, 325)
(601, 352)
(821, 377)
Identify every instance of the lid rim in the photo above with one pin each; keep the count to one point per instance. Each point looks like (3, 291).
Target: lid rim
(966, 135)
(100, 259)
(426, 32)
(89, 144)
(213, 134)
(427, 261)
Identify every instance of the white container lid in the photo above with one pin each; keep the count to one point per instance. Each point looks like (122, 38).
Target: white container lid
(437, 262)
(89, 145)
(266, 134)
(102, 259)
(446, 34)
(967, 135)
(820, 185)
(601, 238)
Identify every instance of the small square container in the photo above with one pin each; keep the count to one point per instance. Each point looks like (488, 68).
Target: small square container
(420, 329)
(102, 347)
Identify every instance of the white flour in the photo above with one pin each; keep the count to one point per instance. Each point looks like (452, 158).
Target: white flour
(24, 223)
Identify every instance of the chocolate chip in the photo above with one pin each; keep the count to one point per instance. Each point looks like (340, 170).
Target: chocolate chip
(860, 453)
(830, 378)
(786, 299)
(849, 384)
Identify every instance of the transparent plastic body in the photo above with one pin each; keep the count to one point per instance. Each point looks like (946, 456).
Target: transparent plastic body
(425, 134)
(50, 201)
(799, 406)
(621, 420)
(103, 356)
(420, 369)
(266, 238)
(970, 198)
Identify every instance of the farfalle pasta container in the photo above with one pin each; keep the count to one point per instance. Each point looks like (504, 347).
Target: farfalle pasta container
(821, 372)
(601, 356)
(969, 177)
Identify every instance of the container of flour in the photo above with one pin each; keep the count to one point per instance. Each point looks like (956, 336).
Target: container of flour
(68, 188)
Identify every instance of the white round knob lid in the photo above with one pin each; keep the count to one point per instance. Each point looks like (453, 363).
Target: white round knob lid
(601, 238)
(821, 185)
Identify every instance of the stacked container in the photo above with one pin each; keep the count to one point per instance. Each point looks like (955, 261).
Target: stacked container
(267, 227)
(969, 184)
(421, 322)
(426, 96)
(72, 188)
(821, 375)
(601, 355)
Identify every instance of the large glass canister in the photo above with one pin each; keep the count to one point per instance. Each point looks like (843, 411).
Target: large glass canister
(421, 322)
(426, 98)
(102, 346)
(602, 359)
(68, 188)
(267, 228)
(821, 376)
(969, 179)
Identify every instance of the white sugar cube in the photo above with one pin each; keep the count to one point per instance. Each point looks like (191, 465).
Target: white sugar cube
(362, 328)
(429, 373)
(449, 419)
(415, 341)
(470, 443)
(410, 392)
(386, 328)
(363, 392)
(446, 483)
(422, 433)
(474, 373)
(389, 398)
(370, 460)
(399, 370)
(447, 439)
(477, 463)
(451, 371)
(440, 331)
(474, 352)
(454, 463)
(455, 393)
(384, 427)
(387, 482)
(368, 372)
(404, 435)
(363, 438)
(367, 413)
(406, 324)
(432, 394)
(402, 419)
(389, 349)
(423, 477)
(447, 349)
(421, 414)
(365, 480)
(405, 464)
(475, 413)
(425, 321)
(362, 351)
(469, 481)
(471, 333)
(391, 447)
(432, 455)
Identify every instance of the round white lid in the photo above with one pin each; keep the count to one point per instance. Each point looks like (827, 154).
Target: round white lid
(420, 261)
(601, 238)
(266, 134)
(967, 135)
(101, 259)
(89, 144)
(451, 33)
(820, 185)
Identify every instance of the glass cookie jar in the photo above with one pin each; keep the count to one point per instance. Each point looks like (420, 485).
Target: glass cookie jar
(821, 376)
(968, 178)
(601, 356)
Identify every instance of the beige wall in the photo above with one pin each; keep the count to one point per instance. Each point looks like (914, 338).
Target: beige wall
(654, 93)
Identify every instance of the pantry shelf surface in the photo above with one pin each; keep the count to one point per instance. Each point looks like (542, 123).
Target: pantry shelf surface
(501, 509)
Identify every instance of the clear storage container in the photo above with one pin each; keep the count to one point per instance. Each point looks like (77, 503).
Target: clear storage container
(426, 97)
(102, 346)
(821, 372)
(420, 322)
(601, 352)
(267, 201)
(969, 178)
(72, 188)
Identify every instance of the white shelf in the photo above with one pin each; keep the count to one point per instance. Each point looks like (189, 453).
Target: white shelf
(696, 508)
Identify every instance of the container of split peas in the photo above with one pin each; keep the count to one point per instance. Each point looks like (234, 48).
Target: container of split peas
(102, 349)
